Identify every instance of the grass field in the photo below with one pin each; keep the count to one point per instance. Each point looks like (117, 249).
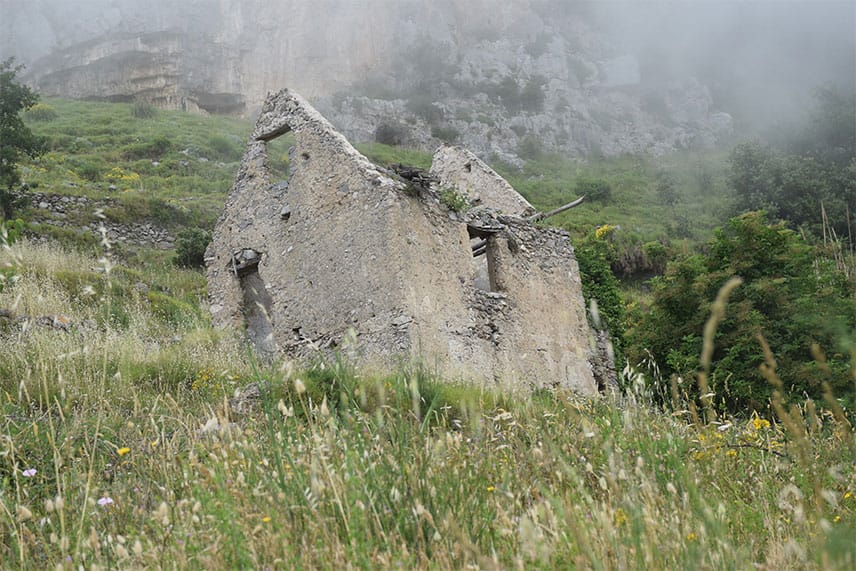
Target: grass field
(123, 444)
(120, 449)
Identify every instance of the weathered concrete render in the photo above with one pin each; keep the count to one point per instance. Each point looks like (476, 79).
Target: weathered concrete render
(344, 245)
(461, 169)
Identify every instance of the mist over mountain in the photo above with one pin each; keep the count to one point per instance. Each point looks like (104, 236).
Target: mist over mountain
(511, 78)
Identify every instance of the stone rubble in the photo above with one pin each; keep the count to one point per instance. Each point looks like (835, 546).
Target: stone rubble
(61, 210)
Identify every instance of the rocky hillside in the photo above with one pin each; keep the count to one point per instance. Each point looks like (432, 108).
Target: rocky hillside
(509, 79)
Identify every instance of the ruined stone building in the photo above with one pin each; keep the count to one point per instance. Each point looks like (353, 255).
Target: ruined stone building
(480, 294)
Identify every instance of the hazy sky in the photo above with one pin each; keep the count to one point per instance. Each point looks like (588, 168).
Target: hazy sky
(764, 56)
(760, 58)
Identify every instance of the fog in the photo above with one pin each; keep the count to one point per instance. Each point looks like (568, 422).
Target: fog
(762, 60)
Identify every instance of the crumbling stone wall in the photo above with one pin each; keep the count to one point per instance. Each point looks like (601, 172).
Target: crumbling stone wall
(460, 169)
(345, 245)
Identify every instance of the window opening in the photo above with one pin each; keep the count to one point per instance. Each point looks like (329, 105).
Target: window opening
(257, 303)
(482, 246)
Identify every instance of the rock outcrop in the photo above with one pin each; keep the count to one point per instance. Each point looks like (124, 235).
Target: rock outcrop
(505, 79)
(346, 250)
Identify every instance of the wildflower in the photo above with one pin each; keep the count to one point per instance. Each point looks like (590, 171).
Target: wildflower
(122, 451)
(757, 423)
(848, 495)
(620, 517)
(105, 501)
(603, 231)
(491, 489)
(266, 519)
(691, 536)
(29, 472)
(731, 453)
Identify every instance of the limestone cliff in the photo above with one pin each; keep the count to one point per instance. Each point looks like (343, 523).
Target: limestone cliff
(505, 78)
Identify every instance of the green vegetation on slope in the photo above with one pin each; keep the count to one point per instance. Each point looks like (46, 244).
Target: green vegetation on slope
(120, 450)
(790, 295)
(171, 168)
(121, 447)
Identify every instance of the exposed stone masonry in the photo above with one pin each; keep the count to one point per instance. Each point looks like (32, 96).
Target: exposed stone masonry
(347, 249)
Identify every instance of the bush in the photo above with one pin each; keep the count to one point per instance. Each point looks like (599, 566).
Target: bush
(422, 105)
(153, 149)
(446, 134)
(532, 96)
(530, 148)
(594, 254)
(88, 170)
(190, 247)
(41, 112)
(595, 190)
(10, 231)
(143, 110)
(791, 295)
(171, 310)
(667, 194)
(393, 134)
(225, 148)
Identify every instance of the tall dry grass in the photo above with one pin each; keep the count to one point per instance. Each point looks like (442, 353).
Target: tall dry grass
(119, 449)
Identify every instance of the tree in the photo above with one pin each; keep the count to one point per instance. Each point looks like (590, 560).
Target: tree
(16, 139)
(791, 295)
(814, 169)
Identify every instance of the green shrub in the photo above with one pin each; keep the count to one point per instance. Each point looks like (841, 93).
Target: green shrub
(143, 110)
(422, 105)
(667, 194)
(791, 294)
(190, 247)
(532, 96)
(446, 134)
(530, 148)
(657, 255)
(594, 254)
(595, 190)
(89, 171)
(154, 149)
(10, 231)
(225, 148)
(41, 112)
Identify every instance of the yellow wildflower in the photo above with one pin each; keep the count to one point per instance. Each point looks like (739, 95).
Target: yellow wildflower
(691, 536)
(757, 423)
(122, 451)
(266, 519)
(603, 231)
